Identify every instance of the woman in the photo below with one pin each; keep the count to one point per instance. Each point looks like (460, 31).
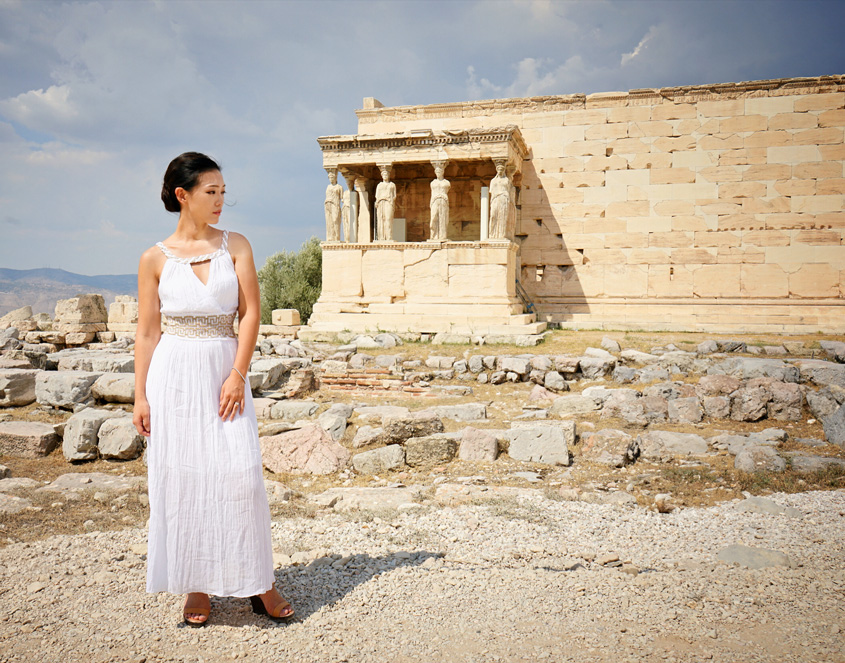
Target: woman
(209, 518)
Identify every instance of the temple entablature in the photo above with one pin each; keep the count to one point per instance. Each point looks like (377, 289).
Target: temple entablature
(424, 184)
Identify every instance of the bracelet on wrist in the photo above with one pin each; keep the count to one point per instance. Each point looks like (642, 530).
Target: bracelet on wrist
(239, 373)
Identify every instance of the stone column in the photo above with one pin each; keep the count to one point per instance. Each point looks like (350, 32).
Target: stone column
(364, 232)
(485, 213)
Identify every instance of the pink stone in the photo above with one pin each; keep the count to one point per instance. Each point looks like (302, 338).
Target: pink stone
(307, 450)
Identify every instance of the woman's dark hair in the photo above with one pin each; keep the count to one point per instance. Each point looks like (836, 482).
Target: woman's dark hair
(184, 171)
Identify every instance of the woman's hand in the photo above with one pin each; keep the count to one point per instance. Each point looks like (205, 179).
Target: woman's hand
(141, 417)
(232, 397)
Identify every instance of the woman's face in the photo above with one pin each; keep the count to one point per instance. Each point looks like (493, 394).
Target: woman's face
(205, 201)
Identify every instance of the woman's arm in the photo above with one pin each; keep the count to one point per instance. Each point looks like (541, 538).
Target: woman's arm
(232, 394)
(147, 334)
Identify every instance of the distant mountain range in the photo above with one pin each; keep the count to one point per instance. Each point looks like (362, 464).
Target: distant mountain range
(42, 288)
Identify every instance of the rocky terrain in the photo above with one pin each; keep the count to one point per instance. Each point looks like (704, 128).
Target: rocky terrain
(620, 498)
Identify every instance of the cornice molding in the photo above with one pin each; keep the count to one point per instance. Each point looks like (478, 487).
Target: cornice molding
(680, 94)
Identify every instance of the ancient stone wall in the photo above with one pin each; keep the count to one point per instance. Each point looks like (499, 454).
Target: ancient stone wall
(711, 207)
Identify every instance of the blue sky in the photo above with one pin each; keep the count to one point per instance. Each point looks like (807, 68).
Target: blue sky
(97, 97)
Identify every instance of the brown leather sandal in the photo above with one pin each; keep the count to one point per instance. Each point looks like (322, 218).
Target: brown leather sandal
(276, 614)
(195, 610)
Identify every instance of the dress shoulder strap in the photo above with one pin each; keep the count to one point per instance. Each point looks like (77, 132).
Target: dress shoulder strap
(166, 251)
(206, 256)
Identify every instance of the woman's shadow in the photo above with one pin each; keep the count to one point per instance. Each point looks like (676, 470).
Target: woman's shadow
(311, 587)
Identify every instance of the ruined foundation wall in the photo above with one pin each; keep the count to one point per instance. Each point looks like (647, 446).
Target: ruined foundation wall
(711, 207)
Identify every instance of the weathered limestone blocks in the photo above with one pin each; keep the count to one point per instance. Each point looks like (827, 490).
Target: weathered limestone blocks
(379, 460)
(539, 443)
(118, 439)
(609, 447)
(430, 450)
(27, 439)
(81, 434)
(96, 361)
(123, 314)
(64, 389)
(285, 317)
(80, 318)
(114, 388)
(17, 316)
(308, 450)
(17, 387)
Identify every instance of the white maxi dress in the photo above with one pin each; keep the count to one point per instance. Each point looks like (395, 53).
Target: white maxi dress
(209, 518)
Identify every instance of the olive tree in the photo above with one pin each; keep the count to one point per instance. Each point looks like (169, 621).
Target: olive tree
(292, 279)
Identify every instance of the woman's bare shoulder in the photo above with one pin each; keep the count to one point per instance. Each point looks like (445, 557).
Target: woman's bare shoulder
(152, 258)
(238, 243)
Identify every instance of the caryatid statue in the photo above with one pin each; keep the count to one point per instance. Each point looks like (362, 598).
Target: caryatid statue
(501, 198)
(333, 195)
(346, 211)
(439, 202)
(385, 205)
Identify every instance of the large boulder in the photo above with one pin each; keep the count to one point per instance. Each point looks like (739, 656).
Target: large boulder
(293, 410)
(81, 435)
(754, 367)
(431, 450)
(85, 313)
(27, 439)
(379, 460)
(18, 315)
(759, 459)
(685, 410)
(17, 387)
(609, 447)
(662, 446)
(574, 404)
(519, 365)
(64, 389)
(367, 435)
(835, 350)
(398, 428)
(335, 418)
(717, 385)
(821, 373)
(786, 402)
(834, 427)
(94, 361)
(822, 403)
(114, 388)
(118, 439)
(271, 371)
(478, 445)
(596, 367)
(749, 403)
(542, 443)
(308, 450)
(462, 412)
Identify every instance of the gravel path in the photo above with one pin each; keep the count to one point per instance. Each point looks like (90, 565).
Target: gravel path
(517, 579)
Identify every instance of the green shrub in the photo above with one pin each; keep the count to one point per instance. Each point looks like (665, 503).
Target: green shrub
(292, 279)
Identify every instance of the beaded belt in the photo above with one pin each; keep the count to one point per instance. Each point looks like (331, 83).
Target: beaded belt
(201, 326)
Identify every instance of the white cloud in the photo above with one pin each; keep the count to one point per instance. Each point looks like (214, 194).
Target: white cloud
(627, 57)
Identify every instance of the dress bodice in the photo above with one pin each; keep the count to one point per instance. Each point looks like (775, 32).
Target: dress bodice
(181, 292)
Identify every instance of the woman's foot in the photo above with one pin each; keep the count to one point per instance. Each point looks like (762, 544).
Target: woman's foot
(272, 604)
(197, 609)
